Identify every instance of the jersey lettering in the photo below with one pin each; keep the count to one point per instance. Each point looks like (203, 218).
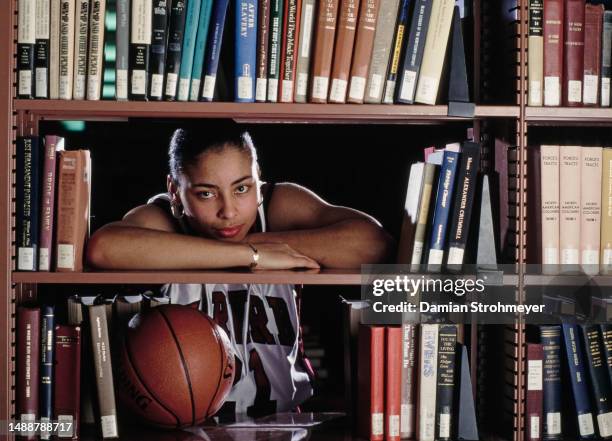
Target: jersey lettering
(286, 333)
(237, 300)
(262, 405)
(258, 321)
(220, 315)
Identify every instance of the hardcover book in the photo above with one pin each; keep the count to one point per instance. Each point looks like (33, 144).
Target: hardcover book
(53, 145)
(200, 48)
(213, 49)
(80, 50)
(96, 49)
(590, 211)
(189, 43)
(47, 350)
(289, 50)
(41, 50)
(397, 46)
(323, 50)
(275, 46)
(67, 385)
(140, 42)
(122, 40)
(569, 207)
(533, 399)
(447, 342)
(303, 49)
(573, 52)
(54, 50)
(176, 30)
(606, 59)
(66, 49)
(550, 182)
(428, 369)
(246, 50)
(393, 383)
(28, 365)
(157, 58)
(26, 40)
(408, 381)
(550, 337)
(553, 51)
(606, 212)
(263, 39)
(411, 213)
(371, 382)
(343, 50)
(593, 25)
(27, 203)
(536, 52)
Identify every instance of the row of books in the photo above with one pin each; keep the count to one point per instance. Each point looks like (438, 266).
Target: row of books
(56, 363)
(586, 352)
(410, 380)
(570, 53)
(336, 51)
(53, 187)
(575, 208)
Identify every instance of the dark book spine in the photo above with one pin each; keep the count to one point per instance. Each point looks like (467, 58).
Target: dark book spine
(47, 349)
(176, 30)
(447, 342)
(140, 41)
(578, 378)
(600, 382)
(157, 58)
(289, 49)
(606, 333)
(274, 54)
(413, 53)
(245, 67)
(122, 40)
(26, 41)
(409, 380)
(41, 50)
(551, 343)
(213, 49)
(573, 52)
(606, 59)
(533, 399)
(67, 384)
(28, 203)
(263, 39)
(397, 47)
(28, 362)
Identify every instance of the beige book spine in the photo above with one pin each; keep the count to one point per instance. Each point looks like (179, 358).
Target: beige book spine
(549, 172)
(535, 54)
(66, 48)
(590, 213)
(429, 176)
(54, 50)
(606, 212)
(569, 198)
(434, 53)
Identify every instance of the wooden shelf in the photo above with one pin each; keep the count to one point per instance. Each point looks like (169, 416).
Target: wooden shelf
(253, 112)
(568, 115)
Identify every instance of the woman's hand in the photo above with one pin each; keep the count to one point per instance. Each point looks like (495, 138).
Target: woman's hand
(276, 256)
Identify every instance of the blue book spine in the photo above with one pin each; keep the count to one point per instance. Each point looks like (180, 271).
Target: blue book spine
(213, 49)
(578, 378)
(200, 47)
(47, 349)
(444, 199)
(189, 43)
(396, 55)
(550, 337)
(28, 202)
(246, 50)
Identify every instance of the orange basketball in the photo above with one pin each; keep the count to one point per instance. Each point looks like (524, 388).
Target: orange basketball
(175, 366)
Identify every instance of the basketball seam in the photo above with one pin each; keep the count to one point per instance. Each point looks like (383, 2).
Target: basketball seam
(129, 355)
(220, 370)
(178, 346)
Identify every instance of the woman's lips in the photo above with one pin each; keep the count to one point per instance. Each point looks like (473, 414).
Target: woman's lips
(230, 232)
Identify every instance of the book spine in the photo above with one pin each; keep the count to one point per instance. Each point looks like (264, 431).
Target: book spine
(606, 59)
(27, 203)
(578, 378)
(67, 384)
(600, 383)
(276, 28)
(428, 367)
(80, 49)
(553, 51)
(140, 42)
(408, 381)
(96, 49)
(122, 61)
(47, 350)
(100, 344)
(396, 56)
(393, 383)
(189, 41)
(47, 206)
(446, 186)
(447, 342)
(66, 48)
(593, 25)
(434, 52)
(464, 200)
(289, 49)
(371, 381)
(411, 213)
(550, 337)
(176, 30)
(590, 212)
(323, 51)
(413, 54)
(573, 52)
(343, 52)
(606, 334)
(198, 58)
(606, 213)
(28, 363)
(429, 179)
(549, 184)
(54, 50)
(533, 400)
(536, 52)
(26, 41)
(263, 39)
(569, 206)
(303, 49)
(246, 50)
(158, 50)
(213, 49)
(41, 52)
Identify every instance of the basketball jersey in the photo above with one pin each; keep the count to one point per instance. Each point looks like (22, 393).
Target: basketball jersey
(262, 322)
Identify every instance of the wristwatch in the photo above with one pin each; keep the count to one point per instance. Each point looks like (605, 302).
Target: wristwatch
(255, 257)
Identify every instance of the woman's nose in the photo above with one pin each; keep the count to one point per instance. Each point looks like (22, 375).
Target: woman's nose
(228, 208)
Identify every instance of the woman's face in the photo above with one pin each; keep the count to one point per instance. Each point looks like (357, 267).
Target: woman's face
(220, 194)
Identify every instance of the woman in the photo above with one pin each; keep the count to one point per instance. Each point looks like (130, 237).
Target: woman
(217, 213)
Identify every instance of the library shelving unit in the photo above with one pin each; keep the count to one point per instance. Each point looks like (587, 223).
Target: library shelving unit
(499, 103)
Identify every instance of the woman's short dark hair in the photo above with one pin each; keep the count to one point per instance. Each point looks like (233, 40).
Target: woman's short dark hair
(187, 144)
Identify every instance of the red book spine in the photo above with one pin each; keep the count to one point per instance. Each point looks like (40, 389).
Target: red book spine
(28, 362)
(573, 57)
(67, 391)
(371, 381)
(393, 383)
(534, 398)
(289, 49)
(593, 26)
(553, 52)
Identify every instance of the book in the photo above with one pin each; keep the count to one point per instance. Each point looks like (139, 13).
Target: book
(41, 49)
(343, 49)
(590, 208)
(606, 59)
(200, 47)
(303, 50)
(534, 392)
(274, 47)
(447, 342)
(573, 52)
(569, 207)
(549, 225)
(436, 44)
(605, 257)
(28, 365)
(26, 41)
(47, 351)
(327, 21)
(53, 145)
(536, 52)
(553, 29)
(80, 49)
(606, 334)
(426, 201)
(291, 31)
(176, 30)
(263, 39)
(428, 368)
(67, 385)
(411, 213)
(550, 337)
(54, 49)
(189, 42)
(593, 25)
(213, 49)
(362, 53)
(27, 203)
(397, 52)
(66, 49)
(157, 57)
(408, 381)
(140, 42)
(246, 50)
(122, 41)
(96, 49)
(371, 382)
(73, 194)
(393, 382)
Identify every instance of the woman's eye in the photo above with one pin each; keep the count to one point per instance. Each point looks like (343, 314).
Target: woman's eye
(205, 194)
(242, 189)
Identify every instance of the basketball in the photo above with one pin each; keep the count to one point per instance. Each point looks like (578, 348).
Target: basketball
(175, 367)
